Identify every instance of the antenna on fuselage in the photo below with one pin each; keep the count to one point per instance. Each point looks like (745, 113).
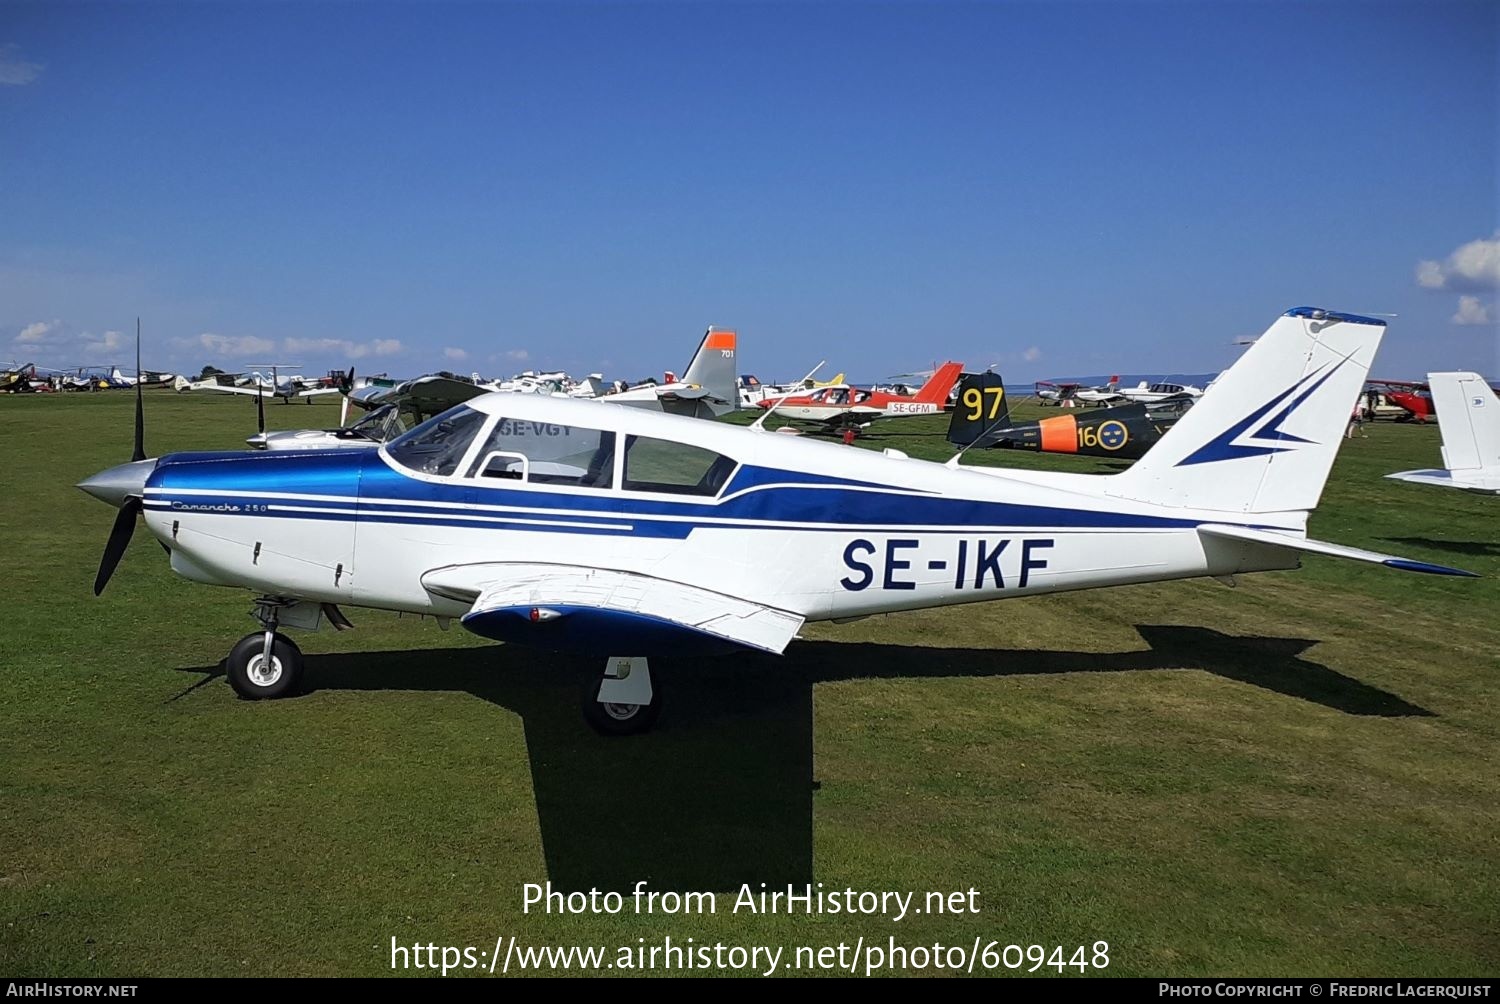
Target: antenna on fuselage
(761, 421)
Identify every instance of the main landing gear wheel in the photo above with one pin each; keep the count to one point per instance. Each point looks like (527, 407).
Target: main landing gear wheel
(254, 677)
(622, 702)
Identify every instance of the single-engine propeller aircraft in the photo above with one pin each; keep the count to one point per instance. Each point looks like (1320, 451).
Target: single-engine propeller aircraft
(1469, 420)
(1124, 432)
(277, 386)
(1413, 397)
(1106, 393)
(18, 379)
(845, 407)
(631, 534)
(1151, 393)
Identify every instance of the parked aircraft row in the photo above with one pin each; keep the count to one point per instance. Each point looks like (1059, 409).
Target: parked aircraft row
(632, 533)
(1111, 393)
(31, 378)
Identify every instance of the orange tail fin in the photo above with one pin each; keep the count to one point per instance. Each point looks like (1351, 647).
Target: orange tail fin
(936, 390)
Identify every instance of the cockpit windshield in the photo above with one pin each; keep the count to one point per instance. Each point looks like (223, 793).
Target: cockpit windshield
(385, 422)
(438, 444)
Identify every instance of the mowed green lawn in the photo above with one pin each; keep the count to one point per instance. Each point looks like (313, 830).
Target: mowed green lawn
(1294, 776)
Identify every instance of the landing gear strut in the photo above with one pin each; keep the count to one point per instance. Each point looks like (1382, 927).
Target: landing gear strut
(623, 701)
(264, 664)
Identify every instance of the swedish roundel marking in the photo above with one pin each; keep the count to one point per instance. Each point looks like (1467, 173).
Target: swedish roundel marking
(1113, 435)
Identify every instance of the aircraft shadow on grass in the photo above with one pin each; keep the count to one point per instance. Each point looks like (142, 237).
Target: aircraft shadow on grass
(721, 793)
(1478, 548)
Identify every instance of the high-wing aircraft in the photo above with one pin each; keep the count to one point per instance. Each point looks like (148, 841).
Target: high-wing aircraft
(284, 388)
(1469, 419)
(18, 379)
(629, 534)
(1052, 392)
(709, 386)
(845, 407)
(1413, 397)
(1107, 393)
(1125, 432)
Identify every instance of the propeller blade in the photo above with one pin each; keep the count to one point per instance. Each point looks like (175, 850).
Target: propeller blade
(119, 539)
(260, 410)
(140, 413)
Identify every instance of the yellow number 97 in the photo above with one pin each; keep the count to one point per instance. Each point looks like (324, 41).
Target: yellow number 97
(974, 401)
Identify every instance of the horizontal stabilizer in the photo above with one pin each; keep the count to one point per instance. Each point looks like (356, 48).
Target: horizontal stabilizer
(1469, 481)
(1278, 538)
(685, 394)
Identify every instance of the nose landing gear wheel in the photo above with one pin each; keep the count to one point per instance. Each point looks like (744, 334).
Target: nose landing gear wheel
(255, 678)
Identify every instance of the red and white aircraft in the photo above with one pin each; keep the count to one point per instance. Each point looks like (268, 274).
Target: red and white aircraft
(843, 406)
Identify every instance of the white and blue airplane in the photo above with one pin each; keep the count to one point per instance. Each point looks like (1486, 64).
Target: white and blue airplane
(1468, 413)
(632, 534)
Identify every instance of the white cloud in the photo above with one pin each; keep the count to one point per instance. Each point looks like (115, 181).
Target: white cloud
(37, 332)
(14, 70)
(1474, 266)
(64, 345)
(1472, 310)
(343, 346)
(110, 341)
(1032, 354)
(231, 345)
(519, 355)
(456, 354)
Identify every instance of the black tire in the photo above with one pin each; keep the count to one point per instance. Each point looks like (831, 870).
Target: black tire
(243, 668)
(620, 719)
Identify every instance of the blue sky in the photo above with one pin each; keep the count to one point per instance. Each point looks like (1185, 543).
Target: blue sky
(1057, 188)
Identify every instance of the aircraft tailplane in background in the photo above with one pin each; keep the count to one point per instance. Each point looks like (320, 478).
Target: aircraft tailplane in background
(714, 368)
(1468, 415)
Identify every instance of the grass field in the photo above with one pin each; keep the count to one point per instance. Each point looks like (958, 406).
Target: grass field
(1296, 776)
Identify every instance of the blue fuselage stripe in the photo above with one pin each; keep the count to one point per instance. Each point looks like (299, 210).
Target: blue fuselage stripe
(361, 487)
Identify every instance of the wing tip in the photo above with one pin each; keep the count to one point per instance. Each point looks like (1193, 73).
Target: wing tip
(1410, 565)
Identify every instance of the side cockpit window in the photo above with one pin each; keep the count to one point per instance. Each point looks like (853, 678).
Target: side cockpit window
(438, 445)
(660, 465)
(545, 453)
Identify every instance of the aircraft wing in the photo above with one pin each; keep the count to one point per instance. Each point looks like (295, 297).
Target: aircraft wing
(583, 608)
(1277, 538)
(427, 395)
(318, 391)
(859, 413)
(227, 388)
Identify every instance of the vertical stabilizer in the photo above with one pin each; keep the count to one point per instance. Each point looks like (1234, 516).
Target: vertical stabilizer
(1264, 438)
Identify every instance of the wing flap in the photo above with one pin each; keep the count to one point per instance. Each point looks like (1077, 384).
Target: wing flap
(1278, 538)
(520, 601)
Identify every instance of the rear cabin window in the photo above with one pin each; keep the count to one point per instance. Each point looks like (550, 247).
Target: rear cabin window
(547, 454)
(438, 444)
(660, 465)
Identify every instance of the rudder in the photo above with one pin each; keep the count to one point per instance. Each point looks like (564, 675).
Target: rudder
(1468, 414)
